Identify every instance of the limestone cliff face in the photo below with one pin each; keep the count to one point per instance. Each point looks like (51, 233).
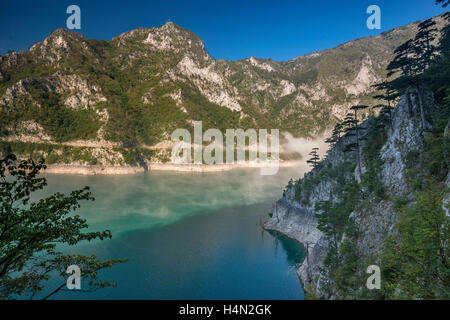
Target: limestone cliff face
(300, 223)
(295, 214)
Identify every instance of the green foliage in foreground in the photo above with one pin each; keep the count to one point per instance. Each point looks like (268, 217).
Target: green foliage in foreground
(416, 264)
(31, 231)
(343, 259)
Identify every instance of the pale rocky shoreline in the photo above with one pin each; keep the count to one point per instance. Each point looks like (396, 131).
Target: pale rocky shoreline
(92, 170)
(127, 170)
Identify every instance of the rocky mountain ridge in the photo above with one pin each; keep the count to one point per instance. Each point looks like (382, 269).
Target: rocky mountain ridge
(137, 88)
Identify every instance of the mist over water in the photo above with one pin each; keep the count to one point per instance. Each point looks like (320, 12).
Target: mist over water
(142, 201)
(303, 146)
(188, 235)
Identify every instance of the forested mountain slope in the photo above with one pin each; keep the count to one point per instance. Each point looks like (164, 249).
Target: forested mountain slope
(78, 100)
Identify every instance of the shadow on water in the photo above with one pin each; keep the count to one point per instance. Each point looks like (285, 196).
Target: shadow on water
(295, 251)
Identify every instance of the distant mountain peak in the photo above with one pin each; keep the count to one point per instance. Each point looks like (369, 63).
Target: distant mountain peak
(170, 24)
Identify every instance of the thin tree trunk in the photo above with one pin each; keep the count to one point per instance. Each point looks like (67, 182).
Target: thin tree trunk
(389, 109)
(422, 113)
(308, 271)
(357, 145)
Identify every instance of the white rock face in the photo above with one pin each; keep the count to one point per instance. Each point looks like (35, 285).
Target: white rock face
(315, 92)
(29, 131)
(106, 157)
(341, 110)
(295, 222)
(288, 88)
(160, 39)
(170, 37)
(262, 86)
(211, 84)
(189, 68)
(19, 89)
(262, 65)
(104, 118)
(80, 94)
(76, 91)
(59, 42)
(55, 42)
(300, 99)
(405, 135)
(57, 45)
(299, 223)
(314, 55)
(365, 78)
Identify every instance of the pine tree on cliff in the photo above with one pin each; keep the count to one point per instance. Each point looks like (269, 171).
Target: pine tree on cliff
(349, 125)
(314, 160)
(444, 45)
(412, 59)
(408, 61)
(385, 114)
(444, 3)
(437, 76)
(403, 60)
(426, 50)
(352, 129)
(389, 96)
(358, 139)
(335, 135)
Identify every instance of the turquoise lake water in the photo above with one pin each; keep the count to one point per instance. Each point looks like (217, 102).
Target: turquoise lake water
(188, 235)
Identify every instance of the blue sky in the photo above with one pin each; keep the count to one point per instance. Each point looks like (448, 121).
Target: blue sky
(230, 29)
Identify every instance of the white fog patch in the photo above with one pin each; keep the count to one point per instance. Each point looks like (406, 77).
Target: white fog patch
(303, 146)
